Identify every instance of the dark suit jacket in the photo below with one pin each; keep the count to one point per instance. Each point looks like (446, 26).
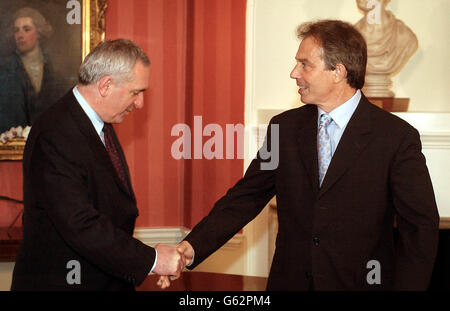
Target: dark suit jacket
(330, 234)
(76, 208)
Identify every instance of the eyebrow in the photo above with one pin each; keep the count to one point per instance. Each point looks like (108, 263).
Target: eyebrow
(138, 91)
(304, 60)
(22, 26)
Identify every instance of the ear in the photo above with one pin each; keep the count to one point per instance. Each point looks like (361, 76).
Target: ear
(104, 85)
(340, 72)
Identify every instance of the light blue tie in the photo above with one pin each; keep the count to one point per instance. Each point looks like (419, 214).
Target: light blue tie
(323, 146)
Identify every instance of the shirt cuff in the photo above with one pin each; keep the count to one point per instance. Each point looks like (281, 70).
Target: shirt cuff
(154, 264)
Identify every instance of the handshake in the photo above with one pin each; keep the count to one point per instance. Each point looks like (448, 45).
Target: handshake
(172, 261)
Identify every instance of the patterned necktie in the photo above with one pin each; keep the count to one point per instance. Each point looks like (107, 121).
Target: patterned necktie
(323, 146)
(114, 154)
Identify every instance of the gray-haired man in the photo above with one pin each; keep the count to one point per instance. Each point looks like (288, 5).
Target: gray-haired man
(80, 208)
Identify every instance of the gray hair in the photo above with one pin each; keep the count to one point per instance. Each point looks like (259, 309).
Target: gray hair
(115, 58)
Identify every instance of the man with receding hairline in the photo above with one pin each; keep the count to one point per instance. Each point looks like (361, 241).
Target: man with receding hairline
(80, 207)
(346, 170)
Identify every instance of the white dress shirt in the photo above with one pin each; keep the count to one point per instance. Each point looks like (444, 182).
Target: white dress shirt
(97, 122)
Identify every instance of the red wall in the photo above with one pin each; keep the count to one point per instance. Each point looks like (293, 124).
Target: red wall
(10, 186)
(197, 51)
(157, 26)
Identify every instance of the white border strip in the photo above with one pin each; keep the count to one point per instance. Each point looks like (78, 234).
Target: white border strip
(174, 235)
(435, 140)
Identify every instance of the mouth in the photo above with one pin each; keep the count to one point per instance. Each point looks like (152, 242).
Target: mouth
(126, 112)
(129, 109)
(302, 89)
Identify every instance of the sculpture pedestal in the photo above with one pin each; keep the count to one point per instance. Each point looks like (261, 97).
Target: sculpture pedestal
(378, 85)
(391, 104)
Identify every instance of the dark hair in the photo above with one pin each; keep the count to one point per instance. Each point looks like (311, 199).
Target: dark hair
(341, 43)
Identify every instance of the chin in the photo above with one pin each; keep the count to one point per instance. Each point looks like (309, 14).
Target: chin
(305, 100)
(119, 119)
(22, 50)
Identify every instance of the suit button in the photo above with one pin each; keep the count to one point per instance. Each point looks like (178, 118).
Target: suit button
(316, 241)
(308, 275)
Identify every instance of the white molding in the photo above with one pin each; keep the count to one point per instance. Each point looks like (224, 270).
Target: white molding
(166, 235)
(250, 110)
(434, 127)
(435, 140)
(174, 235)
(256, 235)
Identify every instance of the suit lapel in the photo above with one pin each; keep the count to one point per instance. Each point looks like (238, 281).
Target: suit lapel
(95, 143)
(355, 138)
(307, 144)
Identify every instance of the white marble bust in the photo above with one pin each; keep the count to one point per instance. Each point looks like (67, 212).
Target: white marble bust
(390, 43)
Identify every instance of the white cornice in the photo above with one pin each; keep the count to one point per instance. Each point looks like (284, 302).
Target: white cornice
(174, 235)
(435, 140)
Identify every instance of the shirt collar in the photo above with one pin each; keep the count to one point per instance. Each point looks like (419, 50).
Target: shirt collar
(342, 114)
(92, 115)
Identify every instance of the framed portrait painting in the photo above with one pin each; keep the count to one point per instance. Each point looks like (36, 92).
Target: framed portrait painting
(42, 44)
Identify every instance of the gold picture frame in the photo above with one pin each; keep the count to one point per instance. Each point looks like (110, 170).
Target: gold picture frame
(93, 32)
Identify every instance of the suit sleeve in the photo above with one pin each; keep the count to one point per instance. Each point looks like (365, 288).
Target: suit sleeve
(59, 179)
(417, 216)
(242, 203)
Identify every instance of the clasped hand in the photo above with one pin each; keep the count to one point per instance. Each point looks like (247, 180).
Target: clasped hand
(172, 261)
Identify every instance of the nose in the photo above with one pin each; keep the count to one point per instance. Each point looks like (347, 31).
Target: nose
(18, 34)
(295, 73)
(139, 102)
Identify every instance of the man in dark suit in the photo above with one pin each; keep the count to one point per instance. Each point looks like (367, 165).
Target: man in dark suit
(346, 169)
(80, 208)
